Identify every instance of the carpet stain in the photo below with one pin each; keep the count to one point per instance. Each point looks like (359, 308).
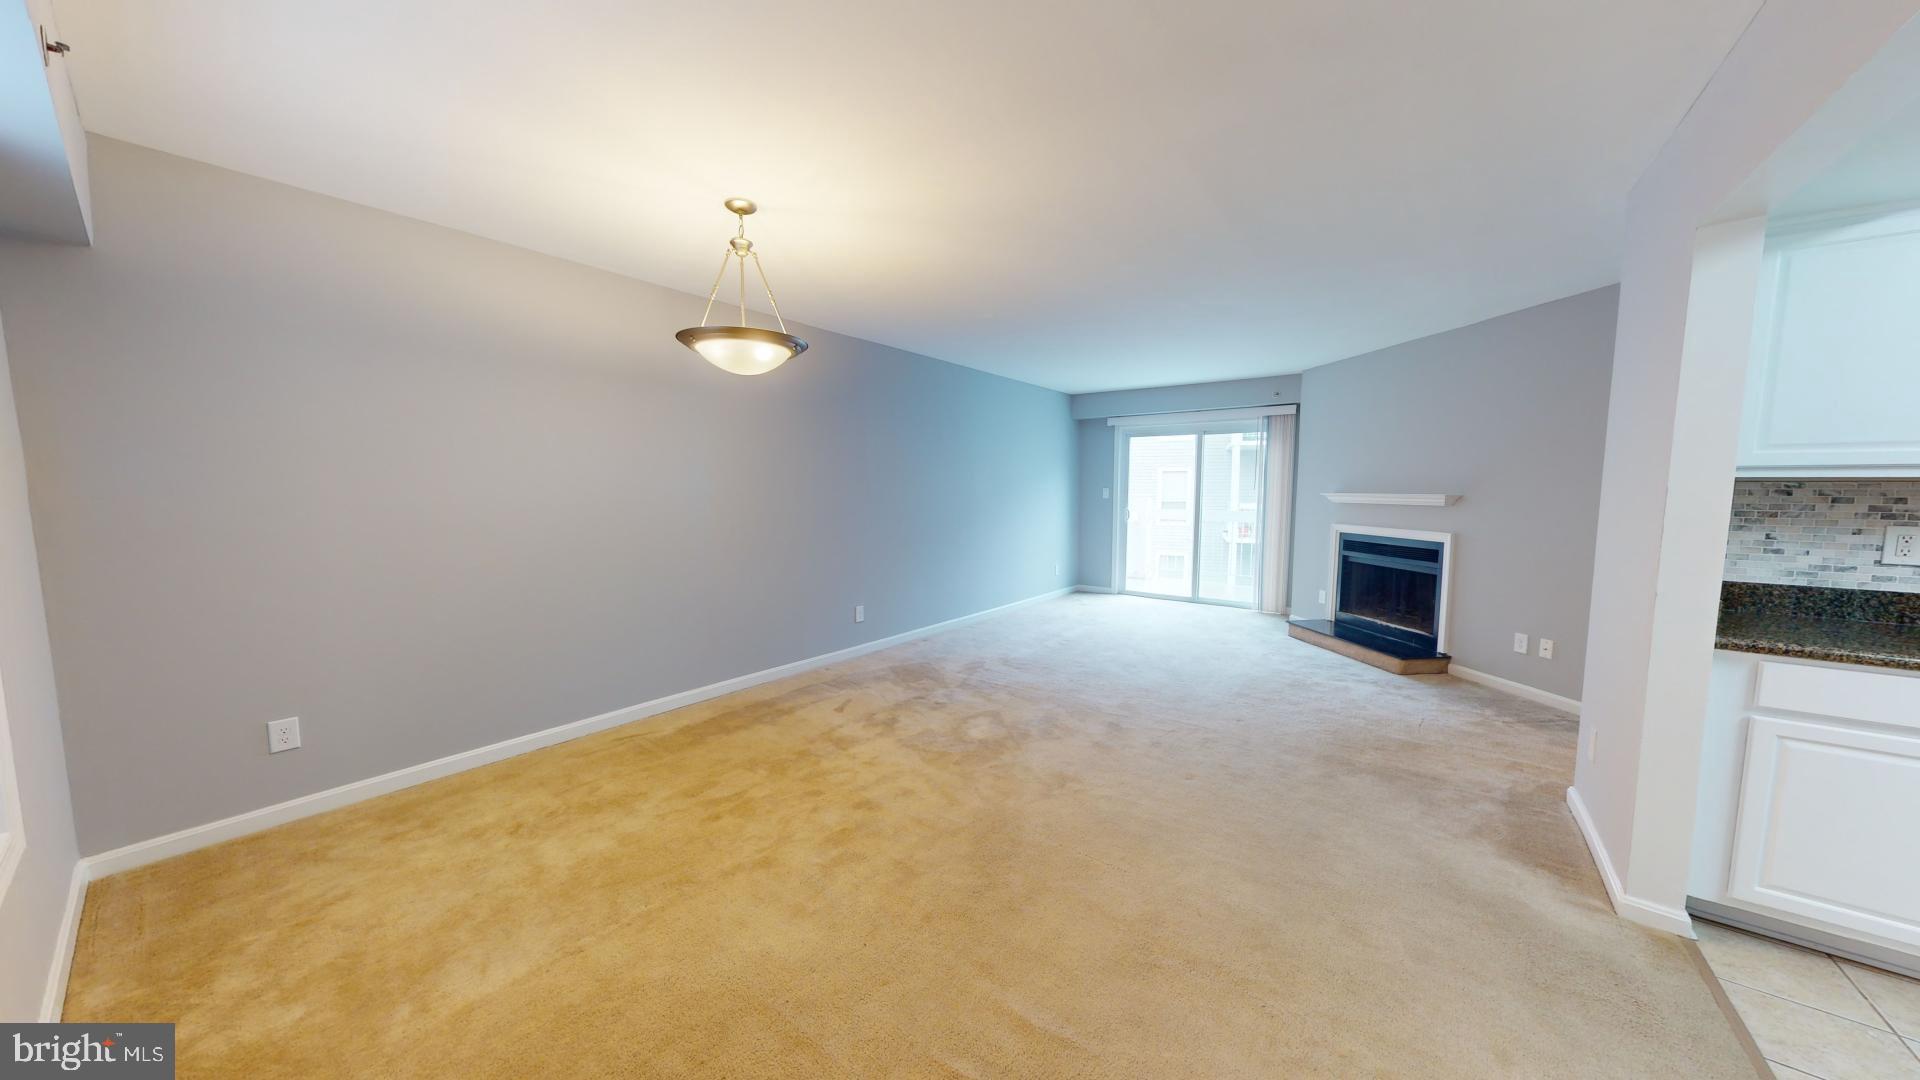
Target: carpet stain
(1099, 837)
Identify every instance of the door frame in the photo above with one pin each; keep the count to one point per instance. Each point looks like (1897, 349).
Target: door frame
(1222, 421)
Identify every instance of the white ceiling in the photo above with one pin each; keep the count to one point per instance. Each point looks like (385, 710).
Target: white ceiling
(1084, 195)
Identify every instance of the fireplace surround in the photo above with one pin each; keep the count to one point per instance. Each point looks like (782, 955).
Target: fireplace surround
(1390, 586)
(1387, 598)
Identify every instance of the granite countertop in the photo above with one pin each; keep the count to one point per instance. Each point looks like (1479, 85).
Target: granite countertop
(1848, 626)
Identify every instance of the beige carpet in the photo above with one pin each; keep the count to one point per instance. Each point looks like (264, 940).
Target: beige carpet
(1095, 837)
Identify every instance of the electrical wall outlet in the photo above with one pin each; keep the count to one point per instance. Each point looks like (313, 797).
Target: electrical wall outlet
(1546, 648)
(1901, 546)
(283, 734)
(1106, 493)
(1520, 643)
(1323, 596)
(1056, 569)
(859, 613)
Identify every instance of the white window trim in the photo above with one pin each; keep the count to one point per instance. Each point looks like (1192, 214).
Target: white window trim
(1186, 419)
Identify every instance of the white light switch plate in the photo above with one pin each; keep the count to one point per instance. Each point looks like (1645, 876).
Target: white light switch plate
(1901, 546)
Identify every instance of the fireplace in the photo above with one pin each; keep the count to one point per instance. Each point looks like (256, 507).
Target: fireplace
(1388, 602)
(1390, 586)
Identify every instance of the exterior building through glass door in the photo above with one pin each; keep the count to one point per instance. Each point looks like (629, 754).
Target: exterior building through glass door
(1228, 540)
(1193, 512)
(1160, 514)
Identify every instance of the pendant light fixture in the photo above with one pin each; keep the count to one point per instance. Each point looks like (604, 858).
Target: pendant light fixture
(742, 349)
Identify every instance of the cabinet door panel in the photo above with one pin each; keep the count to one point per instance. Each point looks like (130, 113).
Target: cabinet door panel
(1827, 826)
(1833, 378)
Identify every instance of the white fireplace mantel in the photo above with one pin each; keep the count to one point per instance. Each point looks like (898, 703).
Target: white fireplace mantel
(1376, 499)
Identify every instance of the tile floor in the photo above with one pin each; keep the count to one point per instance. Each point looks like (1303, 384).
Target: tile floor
(1814, 1015)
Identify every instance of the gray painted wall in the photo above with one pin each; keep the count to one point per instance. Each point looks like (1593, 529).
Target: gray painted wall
(1095, 440)
(1510, 414)
(35, 901)
(294, 457)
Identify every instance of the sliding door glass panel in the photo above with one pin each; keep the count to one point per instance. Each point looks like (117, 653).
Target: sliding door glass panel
(1228, 540)
(1160, 513)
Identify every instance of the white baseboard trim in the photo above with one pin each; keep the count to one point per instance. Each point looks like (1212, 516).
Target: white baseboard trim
(143, 852)
(56, 996)
(1095, 588)
(1517, 689)
(1659, 916)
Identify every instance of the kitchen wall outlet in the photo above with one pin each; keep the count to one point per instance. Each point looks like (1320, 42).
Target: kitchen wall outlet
(859, 613)
(283, 734)
(1520, 643)
(1546, 648)
(1901, 546)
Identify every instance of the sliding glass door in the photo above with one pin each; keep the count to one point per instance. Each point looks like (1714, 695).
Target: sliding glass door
(1193, 511)
(1160, 517)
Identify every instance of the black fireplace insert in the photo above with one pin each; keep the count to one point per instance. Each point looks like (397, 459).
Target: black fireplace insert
(1390, 587)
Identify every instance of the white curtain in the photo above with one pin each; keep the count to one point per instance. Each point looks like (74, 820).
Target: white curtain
(1279, 522)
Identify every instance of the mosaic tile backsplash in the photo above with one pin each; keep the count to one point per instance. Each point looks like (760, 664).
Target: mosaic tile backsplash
(1820, 532)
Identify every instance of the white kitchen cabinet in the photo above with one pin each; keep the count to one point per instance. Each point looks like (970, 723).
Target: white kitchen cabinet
(1809, 801)
(1826, 826)
(1834, 384)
